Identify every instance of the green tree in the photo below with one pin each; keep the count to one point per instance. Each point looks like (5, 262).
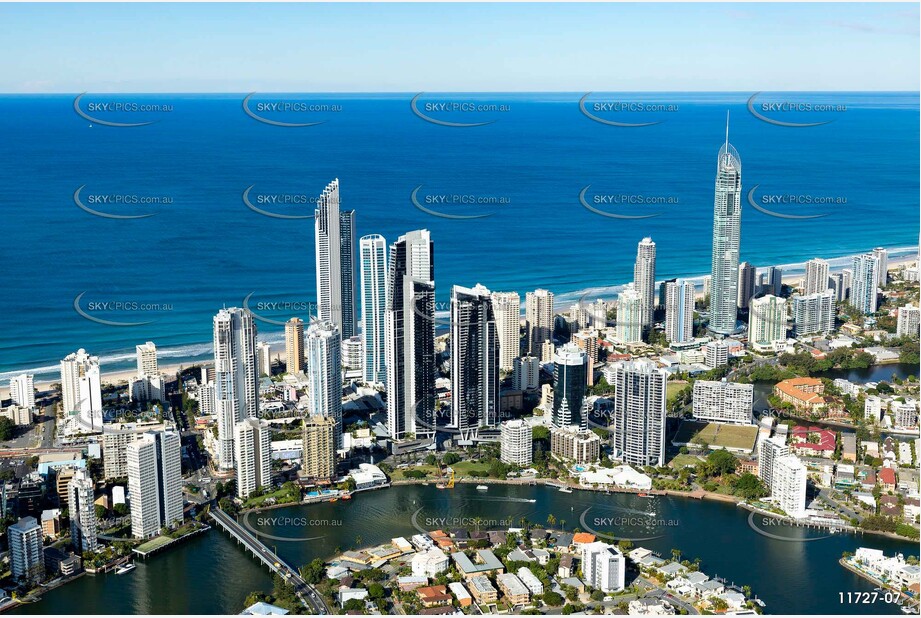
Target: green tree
(7, 429)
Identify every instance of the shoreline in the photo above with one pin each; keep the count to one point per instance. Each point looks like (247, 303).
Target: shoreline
(561, 304)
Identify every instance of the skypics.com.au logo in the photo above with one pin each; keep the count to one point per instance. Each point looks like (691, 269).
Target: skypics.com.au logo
(111, 112)
(614, 113)
(448, 110)
(288, 112)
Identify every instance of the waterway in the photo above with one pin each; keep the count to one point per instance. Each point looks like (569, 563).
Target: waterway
(210, 574)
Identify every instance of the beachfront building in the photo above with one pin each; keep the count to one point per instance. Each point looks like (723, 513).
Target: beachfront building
(603, 567)
(507, 309)
(319, 448)
(788, 485)
(865, 270)
(727, 223)
(148, 384)
(639, 412)
(373, 269)
(147, 359)
(816, 277)
(538, 321)
(324, 374)
(516, 443)
(334, 232)
(723, 402)
(644, 280)
(22, 390)
(882, 256)
(679, 311)
(410, 336)
(814, 314)
(474, 360)
(253, 456)
(236, 378)
(81, 392)
(570, 365)
(155, 482)
(767, 323)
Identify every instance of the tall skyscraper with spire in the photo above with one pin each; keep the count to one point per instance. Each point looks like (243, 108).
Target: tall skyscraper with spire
(410, 341)
(644, 280)
(335, 261)
(727, 223)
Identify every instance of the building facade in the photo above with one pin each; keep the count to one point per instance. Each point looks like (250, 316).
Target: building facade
(253, 456)
(639, 412)
(334, 231)
(474, 360)
(236, 377)
(374, 294)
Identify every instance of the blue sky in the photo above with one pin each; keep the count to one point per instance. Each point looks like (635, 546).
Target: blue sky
(457, 47)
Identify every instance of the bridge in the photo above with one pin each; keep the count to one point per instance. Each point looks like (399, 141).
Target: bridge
(307, 593)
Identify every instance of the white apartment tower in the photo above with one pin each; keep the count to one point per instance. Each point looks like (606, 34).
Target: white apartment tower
(81, 390)
(147, 359)
(639, 412)
(814, 314)
(644, 280)
(236, 380)
(253, 456)
(526, 373)
(788, 486)
(816, 277)
(767, 322)
(908, 321)
(324, 373)
(516, 443)
(723, 402)
(155, 482)
(603, 567)
(27, 562)
(865, 281)
(22, 390)
(82, 510)
(630, 315)
(373, 268)
(679, 311)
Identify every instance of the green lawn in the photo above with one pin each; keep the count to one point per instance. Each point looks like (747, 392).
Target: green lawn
(397, 474)
(673, 388)
(464, 468)
(717, 435)
(282, 495)
(154, 543)
(680, 461)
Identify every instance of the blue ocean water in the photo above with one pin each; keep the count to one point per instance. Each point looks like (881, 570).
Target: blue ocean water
(203, 248)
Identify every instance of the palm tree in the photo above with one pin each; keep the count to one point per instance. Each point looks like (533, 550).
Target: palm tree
(676, 554)
(562, 524)
(551, 519)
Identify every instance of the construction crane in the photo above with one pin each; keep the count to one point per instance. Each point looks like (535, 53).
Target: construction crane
(450, 483)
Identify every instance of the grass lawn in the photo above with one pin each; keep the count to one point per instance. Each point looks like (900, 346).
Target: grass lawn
(717, 435)
(397, 474)
(672, 389)
(464, 468)
(680, 461)
(282, 495)
(154, 543)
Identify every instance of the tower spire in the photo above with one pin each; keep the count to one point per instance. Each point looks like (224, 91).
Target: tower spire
(727, 130)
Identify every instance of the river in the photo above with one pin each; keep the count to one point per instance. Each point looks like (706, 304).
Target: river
(210, 574)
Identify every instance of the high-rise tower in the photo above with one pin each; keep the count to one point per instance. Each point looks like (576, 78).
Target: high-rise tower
(727, 222)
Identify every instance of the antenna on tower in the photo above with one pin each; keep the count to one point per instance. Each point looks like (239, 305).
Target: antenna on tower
(727, 130)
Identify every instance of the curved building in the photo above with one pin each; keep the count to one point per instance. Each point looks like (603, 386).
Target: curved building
(727, 223)
(569, 380)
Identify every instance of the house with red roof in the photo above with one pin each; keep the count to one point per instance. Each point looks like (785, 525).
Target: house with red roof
(886, 478)
(813, 441)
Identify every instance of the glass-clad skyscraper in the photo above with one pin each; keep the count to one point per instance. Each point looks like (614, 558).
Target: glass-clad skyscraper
(727, 223)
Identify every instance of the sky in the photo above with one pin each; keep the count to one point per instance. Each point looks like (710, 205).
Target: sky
(215, 47)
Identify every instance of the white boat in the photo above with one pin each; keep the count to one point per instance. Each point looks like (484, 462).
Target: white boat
(566, 490)
(482, 487)
(125, 569)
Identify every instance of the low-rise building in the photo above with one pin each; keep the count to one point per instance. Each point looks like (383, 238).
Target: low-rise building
(482, 589)
(516, 593)
(486, 564)
(429, 563)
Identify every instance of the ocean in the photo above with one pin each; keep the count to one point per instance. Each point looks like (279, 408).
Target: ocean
(163, 276)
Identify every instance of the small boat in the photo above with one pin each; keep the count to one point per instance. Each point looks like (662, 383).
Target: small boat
(566, 490)
(334, 499)
(346, 496)
(440, 486)
(125, 569)
(907, 610)
(482, 488)
(644, 495)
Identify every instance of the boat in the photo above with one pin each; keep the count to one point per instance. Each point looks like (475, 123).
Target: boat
(482, 488)
(346, 496)
(907, 610)
(643, 494)
(125, 569)
(334, 499)
(566, 490)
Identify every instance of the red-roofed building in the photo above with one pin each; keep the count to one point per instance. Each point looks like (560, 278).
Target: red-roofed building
(813, 441)
(886, 478)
